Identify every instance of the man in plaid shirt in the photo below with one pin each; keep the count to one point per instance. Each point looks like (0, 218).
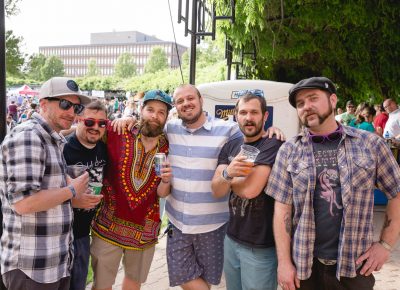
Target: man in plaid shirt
(323, 182)
(36, 245)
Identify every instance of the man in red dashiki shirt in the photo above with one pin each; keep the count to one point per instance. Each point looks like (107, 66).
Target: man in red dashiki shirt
(128, 220)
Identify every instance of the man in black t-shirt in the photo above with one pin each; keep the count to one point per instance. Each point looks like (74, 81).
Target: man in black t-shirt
(249, 250)
(86, 148)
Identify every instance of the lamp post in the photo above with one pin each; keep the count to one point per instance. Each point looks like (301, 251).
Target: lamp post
(198, 19)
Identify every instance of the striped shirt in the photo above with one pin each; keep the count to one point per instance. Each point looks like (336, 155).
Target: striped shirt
(364, 162)
(38, 244)
(193, 155)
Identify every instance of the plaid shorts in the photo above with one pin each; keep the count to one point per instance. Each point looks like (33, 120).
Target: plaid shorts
(192, 256)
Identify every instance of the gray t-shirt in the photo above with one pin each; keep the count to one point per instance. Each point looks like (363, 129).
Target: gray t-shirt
(328, 209)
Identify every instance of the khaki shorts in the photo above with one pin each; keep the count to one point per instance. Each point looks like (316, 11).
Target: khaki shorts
(106, 258)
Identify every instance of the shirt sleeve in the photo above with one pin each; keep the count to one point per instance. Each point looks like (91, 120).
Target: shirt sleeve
(223, 157)
(279, 185)
(235, 132)
(388, 172)
(24, 157)
(268, 151)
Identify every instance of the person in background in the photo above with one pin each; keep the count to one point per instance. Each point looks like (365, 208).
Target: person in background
(13, 111)
(84, 147)
(323, 183)
(392, 126)
(380, 119)
(347, 116)
(36, 192)
(364, 119)
(249, 249)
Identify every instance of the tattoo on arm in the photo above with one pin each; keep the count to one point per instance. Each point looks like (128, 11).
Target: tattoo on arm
(387, 222)
(288, 223)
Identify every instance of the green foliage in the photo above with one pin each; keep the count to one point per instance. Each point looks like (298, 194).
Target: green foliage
(35, 64)
(157, 61)
(53, 67)
(11, 7)
(14, 57)
(101, 83)
(125, 66)
(92, 69)
(355, 43)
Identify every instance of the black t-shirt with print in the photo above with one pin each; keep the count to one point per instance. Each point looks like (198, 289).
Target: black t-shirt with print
(328, 209)
(250, 220)
(95, 159)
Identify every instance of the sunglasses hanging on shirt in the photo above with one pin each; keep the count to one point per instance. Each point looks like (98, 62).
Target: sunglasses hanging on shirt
(335, 135)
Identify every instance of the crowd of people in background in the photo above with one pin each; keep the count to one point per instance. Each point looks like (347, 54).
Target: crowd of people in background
(382, 119)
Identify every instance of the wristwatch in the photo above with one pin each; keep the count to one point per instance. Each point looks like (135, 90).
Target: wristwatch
(225, 175)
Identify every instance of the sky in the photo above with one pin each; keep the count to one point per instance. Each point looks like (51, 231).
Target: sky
(67, 22)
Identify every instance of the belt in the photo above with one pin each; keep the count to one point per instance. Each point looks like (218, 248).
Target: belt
(327, 262)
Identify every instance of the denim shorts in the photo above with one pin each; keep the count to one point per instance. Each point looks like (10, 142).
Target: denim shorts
(192, 256)
(249, 268)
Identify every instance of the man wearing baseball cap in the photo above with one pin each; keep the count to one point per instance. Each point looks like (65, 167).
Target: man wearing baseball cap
(128, 220)
(323, 182)
(36, 245)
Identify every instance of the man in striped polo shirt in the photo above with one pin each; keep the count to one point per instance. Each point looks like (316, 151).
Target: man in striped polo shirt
(198, 220)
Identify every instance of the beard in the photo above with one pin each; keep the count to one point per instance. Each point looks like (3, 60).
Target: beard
(258, 128)
(151, 130)
(193, 119)
(321, 116)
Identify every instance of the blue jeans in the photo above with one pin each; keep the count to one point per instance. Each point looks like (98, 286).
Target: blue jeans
(81, 263)
(249, 268)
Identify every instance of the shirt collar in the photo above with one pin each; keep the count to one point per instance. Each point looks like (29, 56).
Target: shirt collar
(58, 137)
(207, 125)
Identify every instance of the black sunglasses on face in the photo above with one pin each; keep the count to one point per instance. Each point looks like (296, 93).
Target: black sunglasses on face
(91, 122)
(66, 105)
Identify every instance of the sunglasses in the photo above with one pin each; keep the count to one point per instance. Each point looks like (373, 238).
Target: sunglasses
(336, 135)
(102, 123)
(256, 92)
(66, 105)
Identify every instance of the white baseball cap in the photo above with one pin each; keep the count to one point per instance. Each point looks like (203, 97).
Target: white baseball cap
(62, 86)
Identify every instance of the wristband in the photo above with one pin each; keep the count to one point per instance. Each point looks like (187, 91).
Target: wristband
(165, 181)
(386, 245)
(72, 189)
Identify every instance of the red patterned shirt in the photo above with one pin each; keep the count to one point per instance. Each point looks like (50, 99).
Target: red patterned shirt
(129, 214)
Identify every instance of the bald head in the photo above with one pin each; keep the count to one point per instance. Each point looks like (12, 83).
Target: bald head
(390, 106)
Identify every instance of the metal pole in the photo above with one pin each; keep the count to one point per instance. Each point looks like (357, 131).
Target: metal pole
(3, 96)
(192, 67)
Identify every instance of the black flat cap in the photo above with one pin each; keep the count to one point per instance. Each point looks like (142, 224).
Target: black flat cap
(321, 83)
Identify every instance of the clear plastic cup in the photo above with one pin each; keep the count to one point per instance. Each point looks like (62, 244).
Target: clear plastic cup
(250, 152)
(76, 170)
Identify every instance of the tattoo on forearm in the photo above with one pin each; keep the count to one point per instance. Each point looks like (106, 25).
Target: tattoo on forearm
(288, 223)
(387, 222)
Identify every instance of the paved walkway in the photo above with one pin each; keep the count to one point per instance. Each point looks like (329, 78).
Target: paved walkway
(386, 279)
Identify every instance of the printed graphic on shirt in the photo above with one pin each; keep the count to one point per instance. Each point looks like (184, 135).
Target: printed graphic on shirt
(328, 178)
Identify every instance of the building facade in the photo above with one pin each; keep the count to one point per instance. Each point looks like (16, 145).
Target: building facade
(106, 47)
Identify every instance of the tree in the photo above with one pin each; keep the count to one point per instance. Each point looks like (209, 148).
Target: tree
(92, 69)
(125, 66)
(11, 8)
(355, 43)
(53, 67)
(157, 61)
(14, 57)
(35, 64)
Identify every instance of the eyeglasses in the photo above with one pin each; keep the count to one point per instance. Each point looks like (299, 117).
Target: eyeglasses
(66, 105)
(256, 92)
(336, 135)
(90, 122)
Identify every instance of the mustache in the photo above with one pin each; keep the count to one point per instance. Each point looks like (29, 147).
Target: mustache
(249, 123)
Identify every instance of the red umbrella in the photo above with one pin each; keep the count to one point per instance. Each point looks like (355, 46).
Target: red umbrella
(26, 90)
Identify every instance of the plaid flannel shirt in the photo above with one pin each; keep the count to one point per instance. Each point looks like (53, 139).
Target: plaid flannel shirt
(364, 162)
(38, 244)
